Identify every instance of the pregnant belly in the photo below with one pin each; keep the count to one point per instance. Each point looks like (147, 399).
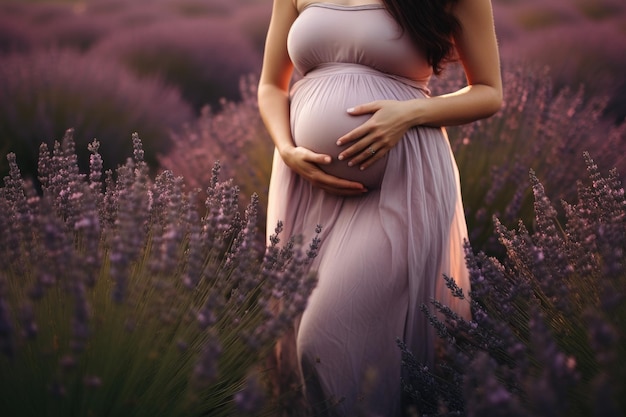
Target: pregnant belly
(319, 118)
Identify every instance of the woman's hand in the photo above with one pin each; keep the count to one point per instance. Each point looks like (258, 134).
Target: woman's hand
(273, 99)
(373, 139)
(306, 163)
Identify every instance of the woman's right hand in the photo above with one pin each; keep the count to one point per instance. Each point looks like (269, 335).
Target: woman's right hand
(306, 163)
(273, 99)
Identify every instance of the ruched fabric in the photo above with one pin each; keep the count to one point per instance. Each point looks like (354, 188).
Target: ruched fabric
(382, 254)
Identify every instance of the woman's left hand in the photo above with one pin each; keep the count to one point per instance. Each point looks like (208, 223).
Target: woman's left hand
(374, 138)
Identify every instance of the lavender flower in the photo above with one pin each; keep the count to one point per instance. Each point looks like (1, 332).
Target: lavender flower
(250, 400)
(126, 271)
(206, 370)
(27, 321)
(540, 127)
(195, 55)
(91, 94)
(547, 320)
(6, 326)
(236, 137)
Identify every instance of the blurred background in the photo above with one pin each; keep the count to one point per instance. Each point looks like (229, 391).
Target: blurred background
(183, 73)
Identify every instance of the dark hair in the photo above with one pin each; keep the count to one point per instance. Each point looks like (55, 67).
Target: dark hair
(430, 24)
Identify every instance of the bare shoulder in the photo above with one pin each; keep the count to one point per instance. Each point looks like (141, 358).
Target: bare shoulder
(476, 44)
(285, 9)
(303, 4)
(277, 66)
(473, 9)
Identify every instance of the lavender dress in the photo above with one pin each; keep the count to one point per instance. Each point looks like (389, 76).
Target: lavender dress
(382, 254)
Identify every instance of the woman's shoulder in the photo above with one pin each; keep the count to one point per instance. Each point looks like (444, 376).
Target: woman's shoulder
(300, 5)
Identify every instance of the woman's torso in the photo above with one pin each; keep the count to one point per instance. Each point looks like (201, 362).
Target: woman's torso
(348, 55)
(363, 34)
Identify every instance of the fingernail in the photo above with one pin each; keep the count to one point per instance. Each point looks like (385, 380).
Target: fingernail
(340, 157)
(350, 164)
(339, 143)
(327, 159)
(350, 110)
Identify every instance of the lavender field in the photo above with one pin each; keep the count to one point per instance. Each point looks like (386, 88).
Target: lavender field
(134, 277)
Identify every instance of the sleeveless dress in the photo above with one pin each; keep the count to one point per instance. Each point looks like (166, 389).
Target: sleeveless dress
(382, 254)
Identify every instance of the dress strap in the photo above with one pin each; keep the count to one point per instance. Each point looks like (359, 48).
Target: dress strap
(335, 6)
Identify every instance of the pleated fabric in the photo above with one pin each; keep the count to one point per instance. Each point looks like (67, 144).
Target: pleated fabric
(382, 254)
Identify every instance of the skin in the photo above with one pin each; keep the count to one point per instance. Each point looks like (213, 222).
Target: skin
(390, 119)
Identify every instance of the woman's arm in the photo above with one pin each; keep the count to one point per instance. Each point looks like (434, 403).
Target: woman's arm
(273, 99)
(276, 74)
(477, 49)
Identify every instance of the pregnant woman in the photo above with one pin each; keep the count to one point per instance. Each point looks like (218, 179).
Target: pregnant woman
(360, 150)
